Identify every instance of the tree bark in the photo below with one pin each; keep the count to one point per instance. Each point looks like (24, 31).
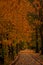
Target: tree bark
(41, 27)
(37, 50)
(41, 34)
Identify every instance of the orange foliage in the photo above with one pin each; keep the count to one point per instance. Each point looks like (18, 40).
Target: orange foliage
(16, 13)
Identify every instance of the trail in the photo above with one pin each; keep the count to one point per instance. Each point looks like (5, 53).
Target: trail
(26, 57)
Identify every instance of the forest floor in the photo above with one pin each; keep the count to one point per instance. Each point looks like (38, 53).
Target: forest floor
(29, 57)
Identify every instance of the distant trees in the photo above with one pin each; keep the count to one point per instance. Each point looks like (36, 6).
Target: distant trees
(38, 15)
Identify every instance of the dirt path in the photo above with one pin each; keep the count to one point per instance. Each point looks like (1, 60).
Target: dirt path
(26, 58)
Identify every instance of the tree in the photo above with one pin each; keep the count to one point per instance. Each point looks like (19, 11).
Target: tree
(39, 12)
(31, 18)
(7, 30)
(41, 27)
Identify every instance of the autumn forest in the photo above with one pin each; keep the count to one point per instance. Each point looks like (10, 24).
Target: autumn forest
(21, 27)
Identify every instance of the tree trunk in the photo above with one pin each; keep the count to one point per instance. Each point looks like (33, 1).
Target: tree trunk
(37, 50)
(41, 34)
(41, 27)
